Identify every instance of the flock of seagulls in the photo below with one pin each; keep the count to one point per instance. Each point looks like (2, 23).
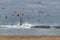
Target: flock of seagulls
(20, 13)
(42, 12)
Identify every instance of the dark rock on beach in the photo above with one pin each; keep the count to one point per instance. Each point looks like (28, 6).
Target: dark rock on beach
(57, 27)
(40, 27)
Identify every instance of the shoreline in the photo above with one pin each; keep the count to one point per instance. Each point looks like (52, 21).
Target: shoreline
(28, 37)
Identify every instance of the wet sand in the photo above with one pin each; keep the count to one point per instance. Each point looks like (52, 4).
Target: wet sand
(25, 37)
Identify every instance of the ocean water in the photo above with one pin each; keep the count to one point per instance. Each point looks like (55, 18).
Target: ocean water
(30, 9)
(32, 31)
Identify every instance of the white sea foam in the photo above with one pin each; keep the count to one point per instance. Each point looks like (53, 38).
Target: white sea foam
(28, 25)
(25, 25)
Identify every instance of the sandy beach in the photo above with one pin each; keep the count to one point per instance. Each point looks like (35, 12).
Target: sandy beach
(25, 37)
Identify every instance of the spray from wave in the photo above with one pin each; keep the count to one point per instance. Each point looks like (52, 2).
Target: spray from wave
(24, 25)
(29, 25)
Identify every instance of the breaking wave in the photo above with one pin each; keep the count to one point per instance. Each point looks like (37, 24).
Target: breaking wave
(25, 25)
(28, 25)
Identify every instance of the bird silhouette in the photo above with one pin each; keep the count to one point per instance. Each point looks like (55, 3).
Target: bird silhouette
(15, 12)
(48, 15)
(3, 8)
(18, 15)
(39, 2)
(11, 24)
(42, 12)
(13, 15)
(5, 17)
(39, 11)
(22, 14)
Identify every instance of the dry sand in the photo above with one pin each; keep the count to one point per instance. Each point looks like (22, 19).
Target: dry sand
(16, 37)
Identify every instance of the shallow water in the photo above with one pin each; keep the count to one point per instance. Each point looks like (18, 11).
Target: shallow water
(37, 32)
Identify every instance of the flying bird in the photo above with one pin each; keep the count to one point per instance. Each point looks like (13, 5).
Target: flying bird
(18, 15)
(5, 17)
(39, 11)
(13, 15)
(39, 2)
(22, 14)
(15, 12)
(42, 12)
(3, 8)
(21, 10)
(48, 15)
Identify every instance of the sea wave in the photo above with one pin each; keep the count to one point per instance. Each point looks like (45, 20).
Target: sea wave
(25, 25)
(28, 25)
